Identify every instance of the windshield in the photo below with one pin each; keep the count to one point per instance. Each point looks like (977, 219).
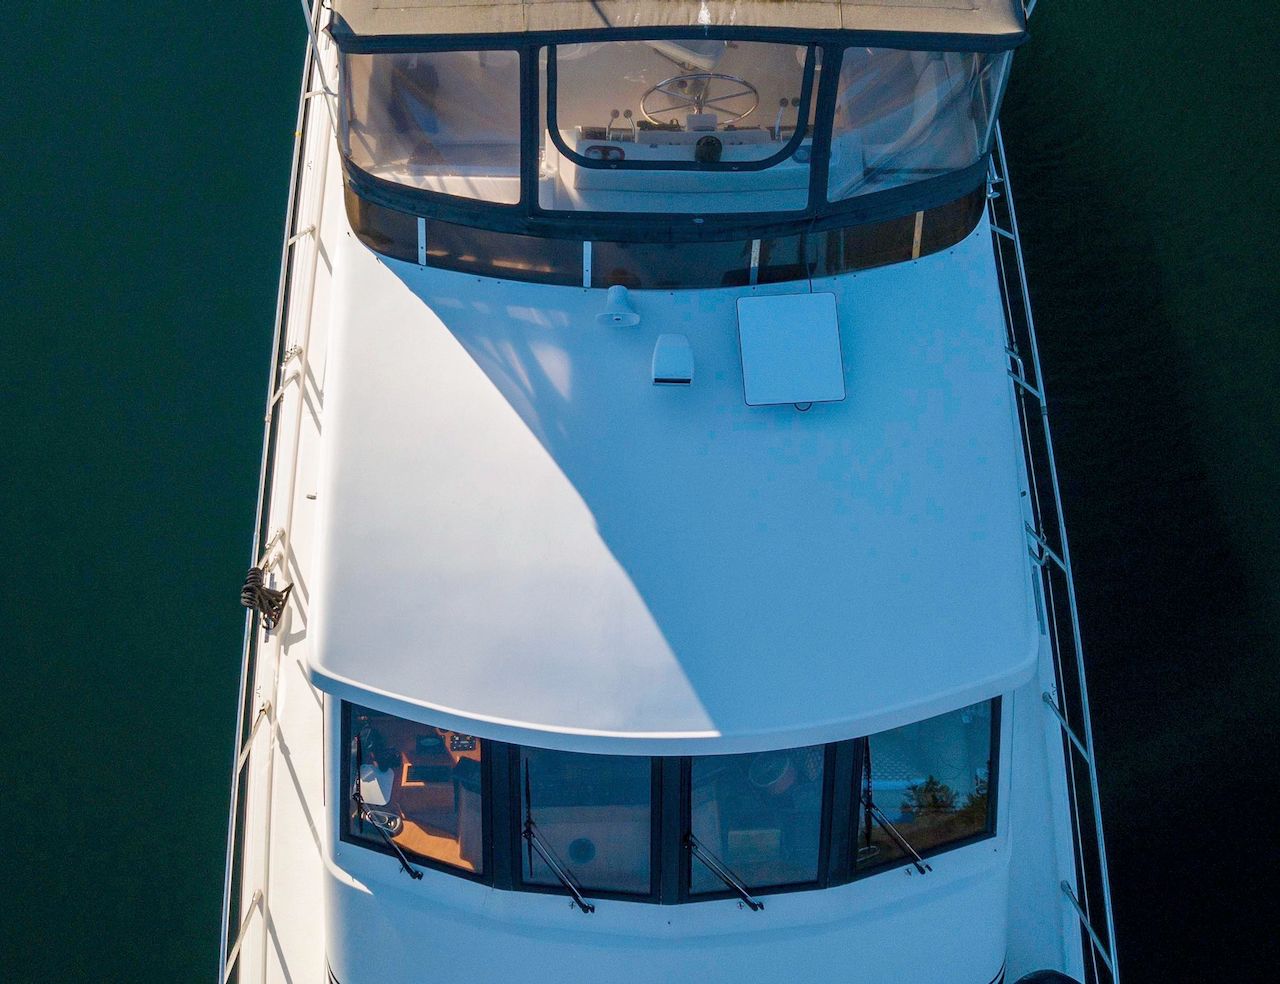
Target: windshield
(932, 781)
(668, 126)
(693, 126)
(762, 814)
(669, 829)
(417, 785)
(595, 813)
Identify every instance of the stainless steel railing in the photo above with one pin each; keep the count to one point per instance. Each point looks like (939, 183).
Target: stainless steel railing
(237, 918)
(1068, 699)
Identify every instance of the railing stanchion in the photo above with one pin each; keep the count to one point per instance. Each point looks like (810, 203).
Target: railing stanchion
(1049, 551)
(230, 949)
(1084, 921)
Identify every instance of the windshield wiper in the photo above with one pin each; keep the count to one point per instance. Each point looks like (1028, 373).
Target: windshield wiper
(874, 812)
(722, 871)
(366, 816)
(535, 842)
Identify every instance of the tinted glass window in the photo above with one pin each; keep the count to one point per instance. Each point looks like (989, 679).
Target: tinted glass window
(759, 813)
(594, 812)
(931, 780)
(502, 255)
(421, 785)
(446, 121)
(670, 265)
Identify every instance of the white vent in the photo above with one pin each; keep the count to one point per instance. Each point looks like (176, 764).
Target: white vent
(672, 361)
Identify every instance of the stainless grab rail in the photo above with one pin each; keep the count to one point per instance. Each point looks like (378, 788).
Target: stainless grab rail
(247, 729)
(1068, 700)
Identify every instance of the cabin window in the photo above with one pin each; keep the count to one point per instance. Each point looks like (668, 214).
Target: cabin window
(444, 121)
(759, 813)
(932, 781)
(594, 813)
(904, 116)
(418, 785)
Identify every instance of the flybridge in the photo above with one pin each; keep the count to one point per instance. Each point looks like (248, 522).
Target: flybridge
(662, 122)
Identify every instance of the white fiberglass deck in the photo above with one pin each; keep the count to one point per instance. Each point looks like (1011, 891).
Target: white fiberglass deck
(520, 529)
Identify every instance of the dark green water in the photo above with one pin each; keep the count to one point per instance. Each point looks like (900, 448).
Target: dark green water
(146, 149)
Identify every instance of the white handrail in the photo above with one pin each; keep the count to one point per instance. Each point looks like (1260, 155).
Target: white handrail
(230, 951)
(1081, 738)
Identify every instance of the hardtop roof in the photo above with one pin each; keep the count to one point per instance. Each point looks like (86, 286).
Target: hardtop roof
(993, 19)
(524, 539)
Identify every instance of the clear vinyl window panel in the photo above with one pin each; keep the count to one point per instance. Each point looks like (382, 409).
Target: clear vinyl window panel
(446, 121)
(594, 813)
(683, 102)
(905, 116)
(421, 785)
(932, 781)
(760, 814)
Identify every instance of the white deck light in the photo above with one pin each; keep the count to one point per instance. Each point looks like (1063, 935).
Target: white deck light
(618, 310)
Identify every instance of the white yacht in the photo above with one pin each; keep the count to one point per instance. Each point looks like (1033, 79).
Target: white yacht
(659, 573)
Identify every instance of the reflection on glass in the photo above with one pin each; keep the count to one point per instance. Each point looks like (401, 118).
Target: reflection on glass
(761, 814)
(422, 785)
(594, 812)
(903, 116)
(445, 121)
(931, 779)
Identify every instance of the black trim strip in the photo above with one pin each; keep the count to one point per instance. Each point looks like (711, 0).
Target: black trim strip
(349, 42)
(641, 227)
(504, 256)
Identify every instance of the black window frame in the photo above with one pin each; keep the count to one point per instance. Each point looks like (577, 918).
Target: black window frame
(671, 821)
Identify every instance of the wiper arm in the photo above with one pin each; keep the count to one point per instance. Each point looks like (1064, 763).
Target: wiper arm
(535, 842)
(722, 871)
(874, 812)
(367, 817)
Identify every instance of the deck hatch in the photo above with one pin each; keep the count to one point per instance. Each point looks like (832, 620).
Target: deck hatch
(790, 349)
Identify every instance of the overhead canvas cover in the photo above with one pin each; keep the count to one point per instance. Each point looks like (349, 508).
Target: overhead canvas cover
(981, 18)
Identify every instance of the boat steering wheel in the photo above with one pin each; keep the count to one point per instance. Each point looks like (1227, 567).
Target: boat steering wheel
(694, 91)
